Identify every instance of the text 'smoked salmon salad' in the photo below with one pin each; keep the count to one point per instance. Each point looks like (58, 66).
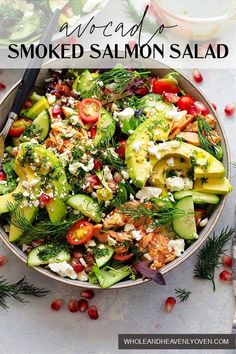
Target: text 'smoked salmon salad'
(109, 175)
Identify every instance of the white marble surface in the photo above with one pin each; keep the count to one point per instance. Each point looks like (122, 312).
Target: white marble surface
(34, 329)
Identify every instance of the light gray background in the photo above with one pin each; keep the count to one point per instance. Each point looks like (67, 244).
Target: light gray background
(34, 329)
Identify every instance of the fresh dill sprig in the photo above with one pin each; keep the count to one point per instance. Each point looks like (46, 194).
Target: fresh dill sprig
(182, 294)
(54, 231)
(118, 80)
(153, 215)
(50, 251)
(208, 257)
(234, 164)
(205, 135)
(15, 290)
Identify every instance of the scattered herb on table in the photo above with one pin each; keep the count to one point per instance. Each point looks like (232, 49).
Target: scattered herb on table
(182, 294)
(209, 255)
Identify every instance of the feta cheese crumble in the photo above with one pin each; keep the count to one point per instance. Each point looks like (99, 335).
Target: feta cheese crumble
(148, 192)
(203, 222)
(137, 235)
(176, 184)
(176, 115)
(177, 246)
(64, 269)
(127, 113)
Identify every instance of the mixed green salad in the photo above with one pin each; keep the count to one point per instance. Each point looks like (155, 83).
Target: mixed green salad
(109, 175)
(25, 20)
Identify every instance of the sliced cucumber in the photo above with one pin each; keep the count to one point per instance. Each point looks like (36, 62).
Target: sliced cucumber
(198, 197)
(33, 260)
(185, 226)
(85, 82)
(27, 27)
(101, 261)
(37, 108)
(105, 128)
(86, 206)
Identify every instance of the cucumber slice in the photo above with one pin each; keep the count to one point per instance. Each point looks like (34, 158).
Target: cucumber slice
(185, 226)
(33, 260)
(37, 108)
(27, 27)
(101, 261)
(105, 127)
(86, 82)
(198, 197)
(86, 206)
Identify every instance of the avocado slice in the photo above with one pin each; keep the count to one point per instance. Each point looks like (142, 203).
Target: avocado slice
(39, 129)
(37, 108)
(106, 127)
(213, 185)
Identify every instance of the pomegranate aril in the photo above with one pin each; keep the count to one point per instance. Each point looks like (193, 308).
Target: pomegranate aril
(227, 261)
(3, 176)
(2, 86)
(44, 199)
(78, 267)
(93, 313)
(170, 303)
(97, 164)
(57, 304)
(37, 243)
(197, 76)
(73, 306)
(3, 260)
(56, 111)
(27, 104)
(225, 275)
(83, 305)
(170, 97)
(200, 108)
(230, 109)
(87, 294)
(214, 106)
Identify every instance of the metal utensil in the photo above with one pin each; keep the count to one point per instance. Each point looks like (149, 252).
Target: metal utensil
(27, 82)
(234, 277)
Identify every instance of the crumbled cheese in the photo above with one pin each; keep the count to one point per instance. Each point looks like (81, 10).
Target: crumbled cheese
(51, 98)
(176, 115)
(113, 153)
(154, 150)
(91, 5)
(137, 235)
(163, 147)
(137, 145)
(177, 246)
(176, 184)
(127, 113)
(148, 192)
(131, 132)
(125, 175)
(111, 241)
(147, 256)
(171, 162)
(107, 173)
(90, 243)
(64, 269)
(82, 261)
(24, 247)
(128, 227)
(203, 222)
(3, 182)
(188, 184)
(175, 144)
(73, 168)
(82, 276)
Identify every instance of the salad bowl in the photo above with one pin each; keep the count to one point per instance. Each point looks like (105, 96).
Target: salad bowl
(191, 90)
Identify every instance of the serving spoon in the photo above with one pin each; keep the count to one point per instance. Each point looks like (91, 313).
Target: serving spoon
(27, 82)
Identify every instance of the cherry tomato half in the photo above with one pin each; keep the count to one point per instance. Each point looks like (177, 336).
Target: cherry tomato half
(18, 127)
(3, 176)
(164, 85)
(80, 233)
(185, 103)
(200, 214)
(89, 110)
(120, 149)
(125, 257)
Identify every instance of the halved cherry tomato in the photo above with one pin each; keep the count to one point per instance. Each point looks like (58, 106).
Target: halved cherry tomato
(89, 110)
(27, 104)
(164, 85)
(3, 176)
(185, 103)
(200, 214)
(141, 91)
(125, 257)
(121, 249)
(80, 233)
(18, 127)
(120, 149)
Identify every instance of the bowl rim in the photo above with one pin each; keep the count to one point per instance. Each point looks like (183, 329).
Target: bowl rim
(168, 267)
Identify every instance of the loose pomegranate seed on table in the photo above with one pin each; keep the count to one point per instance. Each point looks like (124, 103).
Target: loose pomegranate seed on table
(87, 294)
(93, 312)
(225, 275)
(227, 261)
(214, 106)
(3, 260)
(83, 305)
(73, 306)
(57, 304)
(170, 303)
(2, 86)
(197, 76)
(230, 109)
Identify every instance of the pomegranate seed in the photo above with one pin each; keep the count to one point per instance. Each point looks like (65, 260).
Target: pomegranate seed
(229, 109)
(87, 294)
(44, 199)
(117, 177)
(170, 303)
(120, 149)
(225, 275)
(227, 261)
(3, 260)
(57, 304)
(83, 305)
(113, 185)
(170, 97)
(141, 91)
(94, 180)
(37, 243)
(27, 104)
(73, 306)
(56, 111)
(78, 267)
(200, 108)
(15, 151)
(214, 106)
(2, 86)
(93, 131)
(97, 164)
(77, 254)
(197, 76)
(93, 313)
(3, 176)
